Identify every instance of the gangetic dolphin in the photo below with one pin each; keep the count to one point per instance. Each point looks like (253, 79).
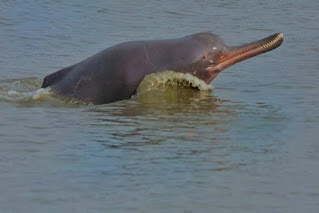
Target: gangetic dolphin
(115, 73)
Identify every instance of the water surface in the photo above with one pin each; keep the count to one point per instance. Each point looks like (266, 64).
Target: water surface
(249, 145)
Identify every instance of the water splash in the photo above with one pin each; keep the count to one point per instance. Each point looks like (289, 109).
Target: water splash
(171, 78)
(23, 90)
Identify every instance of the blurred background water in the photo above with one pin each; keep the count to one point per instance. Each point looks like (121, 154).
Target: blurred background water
(250, 145)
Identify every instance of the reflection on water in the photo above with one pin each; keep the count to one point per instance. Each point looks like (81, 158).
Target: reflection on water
(158, 111)
(178, 123)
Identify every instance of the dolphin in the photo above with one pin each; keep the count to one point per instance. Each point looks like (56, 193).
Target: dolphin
(115, 73)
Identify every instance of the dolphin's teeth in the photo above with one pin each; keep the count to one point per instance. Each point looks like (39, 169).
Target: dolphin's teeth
(271, 43)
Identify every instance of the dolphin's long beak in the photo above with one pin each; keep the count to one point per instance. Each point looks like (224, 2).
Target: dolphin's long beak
(235, 54)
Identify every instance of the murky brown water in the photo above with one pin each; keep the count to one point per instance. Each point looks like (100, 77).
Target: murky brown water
(249, 145)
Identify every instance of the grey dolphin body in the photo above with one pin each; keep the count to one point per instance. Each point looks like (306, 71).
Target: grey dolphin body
(115, 73)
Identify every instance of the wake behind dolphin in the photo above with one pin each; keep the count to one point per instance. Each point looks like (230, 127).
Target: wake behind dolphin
(115, 73)
(23, 90)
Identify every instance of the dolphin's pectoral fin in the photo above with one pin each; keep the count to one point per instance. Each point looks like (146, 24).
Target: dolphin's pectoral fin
(54, 78)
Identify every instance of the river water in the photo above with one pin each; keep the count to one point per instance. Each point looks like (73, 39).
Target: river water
(249, 145)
